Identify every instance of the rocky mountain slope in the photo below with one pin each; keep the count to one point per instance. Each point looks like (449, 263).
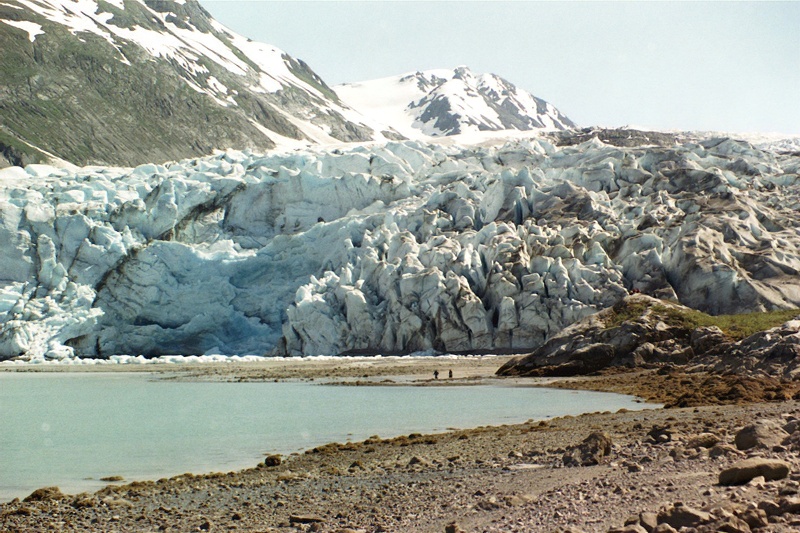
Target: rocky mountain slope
(136, 81)
(390, 249)
(449, 102)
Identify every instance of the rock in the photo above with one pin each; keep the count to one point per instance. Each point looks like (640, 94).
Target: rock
(755, 518)
(743, 471)
(417, 460)
(760, 434)
(664, 528)
(791, 426)
(789, 505)
(453, 527)
(514, 500)
(706, 339)
(732, 524)
(770, 508)
(273, 460)
(679, 515)
(590, 452)
(660, 434)
(45, 494)
(648, 521)
(632, 466)
(703, 440)
(489, 504)
(721, 450)
(630, 528)
(305, 519)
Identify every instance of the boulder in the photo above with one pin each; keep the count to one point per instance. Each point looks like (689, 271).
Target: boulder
(664, 528)
(453, 527)
(760, 434)
(589, 452)
(720, 450)
(755, 518)
(679, 515)
(789, 505)
(273, 460)
(732, 524)
(703, 440)
(630, 528)
(45, 494)
(305, 519)
(743, 471)
(648, 521)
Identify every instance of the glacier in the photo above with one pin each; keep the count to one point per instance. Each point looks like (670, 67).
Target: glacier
(389, 248)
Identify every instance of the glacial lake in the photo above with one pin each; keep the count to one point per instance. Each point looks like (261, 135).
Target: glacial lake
(71, 429)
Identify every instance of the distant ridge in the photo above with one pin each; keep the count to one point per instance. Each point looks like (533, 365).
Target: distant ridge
(437, 103)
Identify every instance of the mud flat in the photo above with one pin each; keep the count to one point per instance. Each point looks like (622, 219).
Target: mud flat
(657, 469)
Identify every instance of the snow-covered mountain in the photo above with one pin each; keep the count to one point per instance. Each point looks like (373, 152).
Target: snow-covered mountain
(134, 81)
(390, 249)
(449, 102)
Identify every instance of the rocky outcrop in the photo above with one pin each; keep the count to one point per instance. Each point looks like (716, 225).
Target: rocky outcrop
(640, 331)
(774, 352)
(636, 331)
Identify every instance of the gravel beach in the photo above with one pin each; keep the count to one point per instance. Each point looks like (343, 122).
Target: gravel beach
(654, 470)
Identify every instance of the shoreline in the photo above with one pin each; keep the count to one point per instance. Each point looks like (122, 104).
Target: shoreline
(490, 478)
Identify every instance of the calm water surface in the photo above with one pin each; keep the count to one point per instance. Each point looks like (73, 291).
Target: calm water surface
(71, 429)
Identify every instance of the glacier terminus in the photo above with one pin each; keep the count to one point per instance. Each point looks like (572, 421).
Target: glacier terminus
(389, 248)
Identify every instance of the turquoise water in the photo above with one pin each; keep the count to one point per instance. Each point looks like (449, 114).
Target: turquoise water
(71, 429)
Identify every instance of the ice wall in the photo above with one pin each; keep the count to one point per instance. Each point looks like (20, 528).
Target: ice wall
(394, 248)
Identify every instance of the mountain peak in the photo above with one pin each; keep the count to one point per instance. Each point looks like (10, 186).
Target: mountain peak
(442, 102)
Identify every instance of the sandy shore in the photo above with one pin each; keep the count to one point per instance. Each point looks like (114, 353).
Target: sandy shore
(506, 478)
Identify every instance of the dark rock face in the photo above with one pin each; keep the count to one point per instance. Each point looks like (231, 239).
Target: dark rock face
(98, 97)
(617, 137)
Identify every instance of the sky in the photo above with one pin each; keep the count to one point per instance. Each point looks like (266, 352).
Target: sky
(721, 66)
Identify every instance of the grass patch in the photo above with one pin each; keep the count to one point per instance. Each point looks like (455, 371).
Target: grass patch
(734, 326)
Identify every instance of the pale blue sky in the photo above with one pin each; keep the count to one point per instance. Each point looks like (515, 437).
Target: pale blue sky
(725, 66)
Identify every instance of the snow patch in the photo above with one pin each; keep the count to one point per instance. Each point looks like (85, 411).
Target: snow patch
(32, 28)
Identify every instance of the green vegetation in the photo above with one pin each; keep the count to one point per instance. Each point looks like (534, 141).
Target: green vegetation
(735, 326)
